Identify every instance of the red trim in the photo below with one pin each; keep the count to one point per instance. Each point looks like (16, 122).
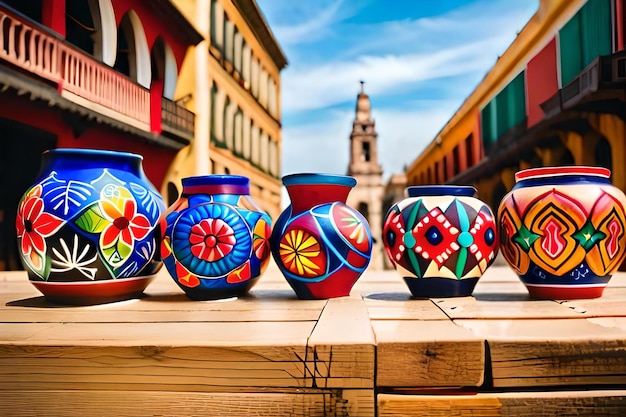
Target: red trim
(216, 189)
(564, 293)
(560, 171)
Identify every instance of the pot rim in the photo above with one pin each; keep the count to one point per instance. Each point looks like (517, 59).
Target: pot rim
(318, 178)
(215, 179)
(560, 171)
(91, 152)
(438, 190)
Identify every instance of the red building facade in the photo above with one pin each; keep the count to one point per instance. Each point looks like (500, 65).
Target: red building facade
(97, 74)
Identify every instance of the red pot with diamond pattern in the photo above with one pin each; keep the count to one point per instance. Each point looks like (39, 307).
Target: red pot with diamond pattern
(562, 229)
(441, 239)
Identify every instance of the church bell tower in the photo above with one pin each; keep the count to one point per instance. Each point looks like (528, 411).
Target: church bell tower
(367, 195)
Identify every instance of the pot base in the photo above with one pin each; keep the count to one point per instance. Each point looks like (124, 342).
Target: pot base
(440, 287)
(214, 295)
(331, 287)
(565, 292)
(93, 292)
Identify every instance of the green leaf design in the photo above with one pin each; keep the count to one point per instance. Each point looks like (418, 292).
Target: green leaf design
(117, 254)
(588, 236)
(124, 250)
(92, 220)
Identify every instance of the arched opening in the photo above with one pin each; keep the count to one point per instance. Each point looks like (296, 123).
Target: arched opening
(133, 57)
(164, 68)
(363, 208)
(90, 26)
(566, 157)
(172, 193)
(79, 25)
(532, 159)
(603, 156)
(499, 191)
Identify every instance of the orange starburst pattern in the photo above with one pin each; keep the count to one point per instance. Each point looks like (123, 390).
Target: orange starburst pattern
(301, 254)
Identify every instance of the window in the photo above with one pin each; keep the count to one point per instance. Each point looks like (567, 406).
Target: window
(238, 146)
(246, 57)
(366, 156)
(247, 137)
(229, 41)
(264, 151)
(255, 144)
(584, 37)
(364, 210)
(238, 51)
(217, 25)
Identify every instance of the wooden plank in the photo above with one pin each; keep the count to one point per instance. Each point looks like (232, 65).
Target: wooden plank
(526, 404)
(341, 349)
(612, 303)
(504, 306)
(304, 403)
(163, 308)
(398, 306)
(207, 356)
(552, 352)
(413, 353)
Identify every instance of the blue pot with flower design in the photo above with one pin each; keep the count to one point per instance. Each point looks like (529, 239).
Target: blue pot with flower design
(215, 238)
(86, 228)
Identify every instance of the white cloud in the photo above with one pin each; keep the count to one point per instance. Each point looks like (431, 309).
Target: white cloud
(333, 83)
(319, 146)
(314, 28)
(403, 134)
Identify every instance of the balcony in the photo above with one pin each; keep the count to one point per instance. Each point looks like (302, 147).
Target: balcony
(83, 80)
(602, 74)
(177, 120)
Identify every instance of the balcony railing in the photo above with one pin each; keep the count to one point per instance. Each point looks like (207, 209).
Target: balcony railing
(97, 83)
(82, 79)
(176, 119)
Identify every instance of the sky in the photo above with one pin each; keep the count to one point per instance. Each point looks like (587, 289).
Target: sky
(420, 59)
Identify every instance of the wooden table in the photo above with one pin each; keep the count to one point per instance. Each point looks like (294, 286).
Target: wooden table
(377, 352)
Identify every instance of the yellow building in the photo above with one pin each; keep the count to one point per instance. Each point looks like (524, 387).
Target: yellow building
(232, 84)
(555, 97)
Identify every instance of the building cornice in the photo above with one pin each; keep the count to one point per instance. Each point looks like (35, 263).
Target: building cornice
(250, 11)
(166, 10)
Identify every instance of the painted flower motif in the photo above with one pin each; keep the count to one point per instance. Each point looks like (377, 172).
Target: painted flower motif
(352, 227)
(33, 225)
(260, 243)
(125, 225)
(211, 239)
(299, 252)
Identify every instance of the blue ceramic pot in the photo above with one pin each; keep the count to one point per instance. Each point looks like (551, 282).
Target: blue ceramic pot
(215, 238)
(89, 217)
(321, 245)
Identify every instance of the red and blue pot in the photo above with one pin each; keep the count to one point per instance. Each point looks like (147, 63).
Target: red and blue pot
(321, 245)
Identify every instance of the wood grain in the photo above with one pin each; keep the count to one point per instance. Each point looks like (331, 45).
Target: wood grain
(552, 352)
(436, 353)
(529, 404)
(95, 403)
(341, 348)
